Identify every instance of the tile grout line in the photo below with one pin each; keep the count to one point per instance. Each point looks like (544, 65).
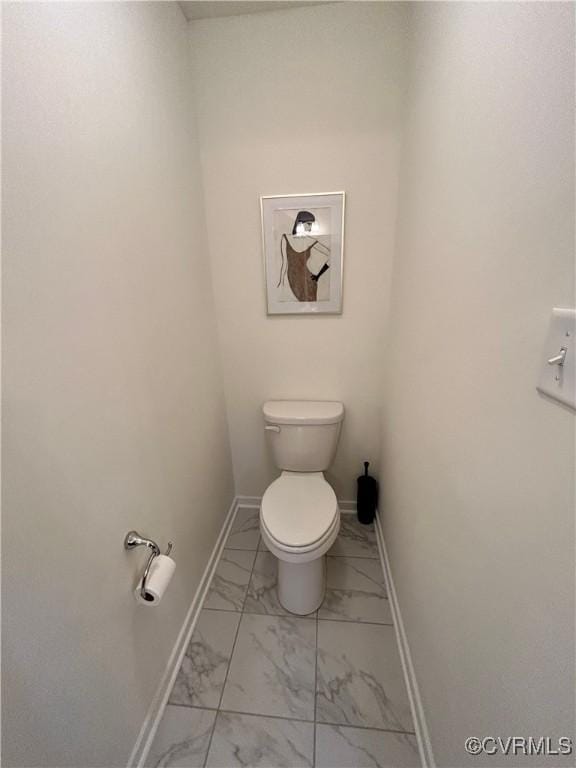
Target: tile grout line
(227, 711)
(249, 582)
(307, 618)
(366, 728)
(238, 549)
(316, 674)
(358, 621)
(241, 613)
(233, 648)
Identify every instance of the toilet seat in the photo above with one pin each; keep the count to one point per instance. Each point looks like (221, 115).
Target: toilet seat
(294, 554)
(299, 513)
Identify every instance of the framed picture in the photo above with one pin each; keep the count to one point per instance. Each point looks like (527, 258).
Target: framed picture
(302, 239)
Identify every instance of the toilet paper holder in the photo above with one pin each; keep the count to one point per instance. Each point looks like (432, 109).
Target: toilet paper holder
(133, 540)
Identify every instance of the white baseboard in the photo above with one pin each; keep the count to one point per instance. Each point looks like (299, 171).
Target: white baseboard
(420, 726)
(248, 501)
(156, 710)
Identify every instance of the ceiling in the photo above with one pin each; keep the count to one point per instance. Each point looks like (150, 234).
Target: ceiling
(198, 9)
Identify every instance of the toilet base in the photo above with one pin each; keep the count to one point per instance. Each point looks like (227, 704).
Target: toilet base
(301, 586)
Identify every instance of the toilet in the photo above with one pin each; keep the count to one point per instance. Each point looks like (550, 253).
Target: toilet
(299, 515)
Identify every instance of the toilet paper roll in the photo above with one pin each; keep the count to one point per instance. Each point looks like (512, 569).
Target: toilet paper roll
(161, 571)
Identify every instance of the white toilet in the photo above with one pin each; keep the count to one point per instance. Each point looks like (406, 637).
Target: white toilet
(299, 516)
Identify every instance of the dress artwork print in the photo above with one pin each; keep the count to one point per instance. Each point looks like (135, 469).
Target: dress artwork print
(299, 244)
(304, 257)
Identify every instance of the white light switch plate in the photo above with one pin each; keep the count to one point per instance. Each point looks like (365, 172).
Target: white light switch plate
(559, 381)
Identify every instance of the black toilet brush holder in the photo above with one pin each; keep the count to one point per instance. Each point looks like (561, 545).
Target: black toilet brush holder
(367, 497)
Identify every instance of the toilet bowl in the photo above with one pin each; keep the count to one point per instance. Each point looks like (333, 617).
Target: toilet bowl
(299, 515)
(299, 522)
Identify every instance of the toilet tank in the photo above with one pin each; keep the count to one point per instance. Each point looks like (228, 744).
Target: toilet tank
(303, 434)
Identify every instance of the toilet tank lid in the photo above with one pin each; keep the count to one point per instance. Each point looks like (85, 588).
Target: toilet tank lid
(303, 412)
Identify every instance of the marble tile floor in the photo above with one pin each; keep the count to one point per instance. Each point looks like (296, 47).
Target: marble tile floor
(261, 687)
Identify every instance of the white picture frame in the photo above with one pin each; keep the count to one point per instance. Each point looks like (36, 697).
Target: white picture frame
(303, 245)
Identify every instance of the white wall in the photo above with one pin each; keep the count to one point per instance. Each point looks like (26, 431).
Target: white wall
(304, 100)
(113, 410)
(478, 469)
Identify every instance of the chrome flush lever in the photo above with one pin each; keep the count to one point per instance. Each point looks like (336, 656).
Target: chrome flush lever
(558, 359)
(272, 428)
